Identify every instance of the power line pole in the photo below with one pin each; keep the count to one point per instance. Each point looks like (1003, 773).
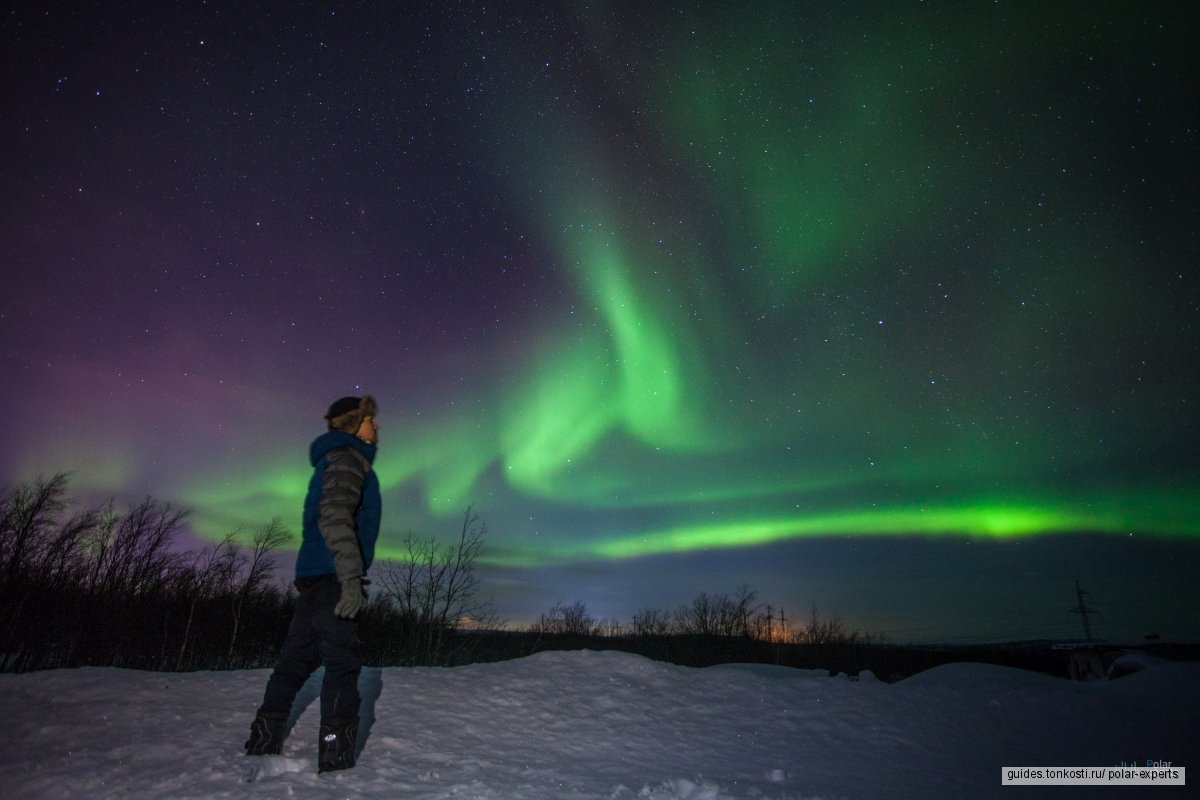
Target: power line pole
(1083, 610)
(782, 634)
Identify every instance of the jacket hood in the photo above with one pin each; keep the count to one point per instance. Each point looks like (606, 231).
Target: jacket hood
(332, 440)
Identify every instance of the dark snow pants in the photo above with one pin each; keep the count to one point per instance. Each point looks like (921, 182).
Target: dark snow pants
(318, 636)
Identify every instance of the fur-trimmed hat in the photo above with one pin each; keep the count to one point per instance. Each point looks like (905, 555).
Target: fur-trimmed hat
(348, 413)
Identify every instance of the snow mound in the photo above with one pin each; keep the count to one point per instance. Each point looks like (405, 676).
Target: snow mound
(988, 677)
(774, 670)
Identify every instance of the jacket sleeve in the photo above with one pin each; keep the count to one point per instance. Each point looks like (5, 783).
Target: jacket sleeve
(341, 493)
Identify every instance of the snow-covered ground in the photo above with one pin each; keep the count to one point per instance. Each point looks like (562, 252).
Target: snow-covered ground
(603, 725)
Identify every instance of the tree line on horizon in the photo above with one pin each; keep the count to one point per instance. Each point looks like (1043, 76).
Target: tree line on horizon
(109, 587)
(715, 615)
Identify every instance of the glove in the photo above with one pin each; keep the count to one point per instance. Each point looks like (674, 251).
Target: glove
(351, 601)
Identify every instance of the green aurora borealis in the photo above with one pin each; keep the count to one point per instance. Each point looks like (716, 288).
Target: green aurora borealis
(722, 279)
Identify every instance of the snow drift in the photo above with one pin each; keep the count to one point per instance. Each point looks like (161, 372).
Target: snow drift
(604, 725)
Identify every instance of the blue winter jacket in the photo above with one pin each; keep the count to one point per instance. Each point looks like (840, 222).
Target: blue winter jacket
(341, 510)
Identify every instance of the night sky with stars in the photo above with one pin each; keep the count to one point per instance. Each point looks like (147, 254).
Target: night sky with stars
(890, 308)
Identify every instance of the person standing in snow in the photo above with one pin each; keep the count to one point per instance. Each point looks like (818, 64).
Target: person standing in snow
(341, 524)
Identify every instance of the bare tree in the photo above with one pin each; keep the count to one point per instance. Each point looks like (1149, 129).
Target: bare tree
(828, 631)
(610, 627)
(573, 620)
(61, 559)
(651, 622)
(698, 618)
(741, 610)
(211, 573)
(433, 588)
(132, 552)
(256, 572)
(401, 580)
(37, 552)
(26, 515)
(719, 614)
(459, 579)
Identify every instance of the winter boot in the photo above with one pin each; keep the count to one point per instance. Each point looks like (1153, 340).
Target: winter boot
(335, 750)
(266, 734)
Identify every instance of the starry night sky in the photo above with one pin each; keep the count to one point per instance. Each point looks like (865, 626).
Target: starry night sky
(890, 308)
